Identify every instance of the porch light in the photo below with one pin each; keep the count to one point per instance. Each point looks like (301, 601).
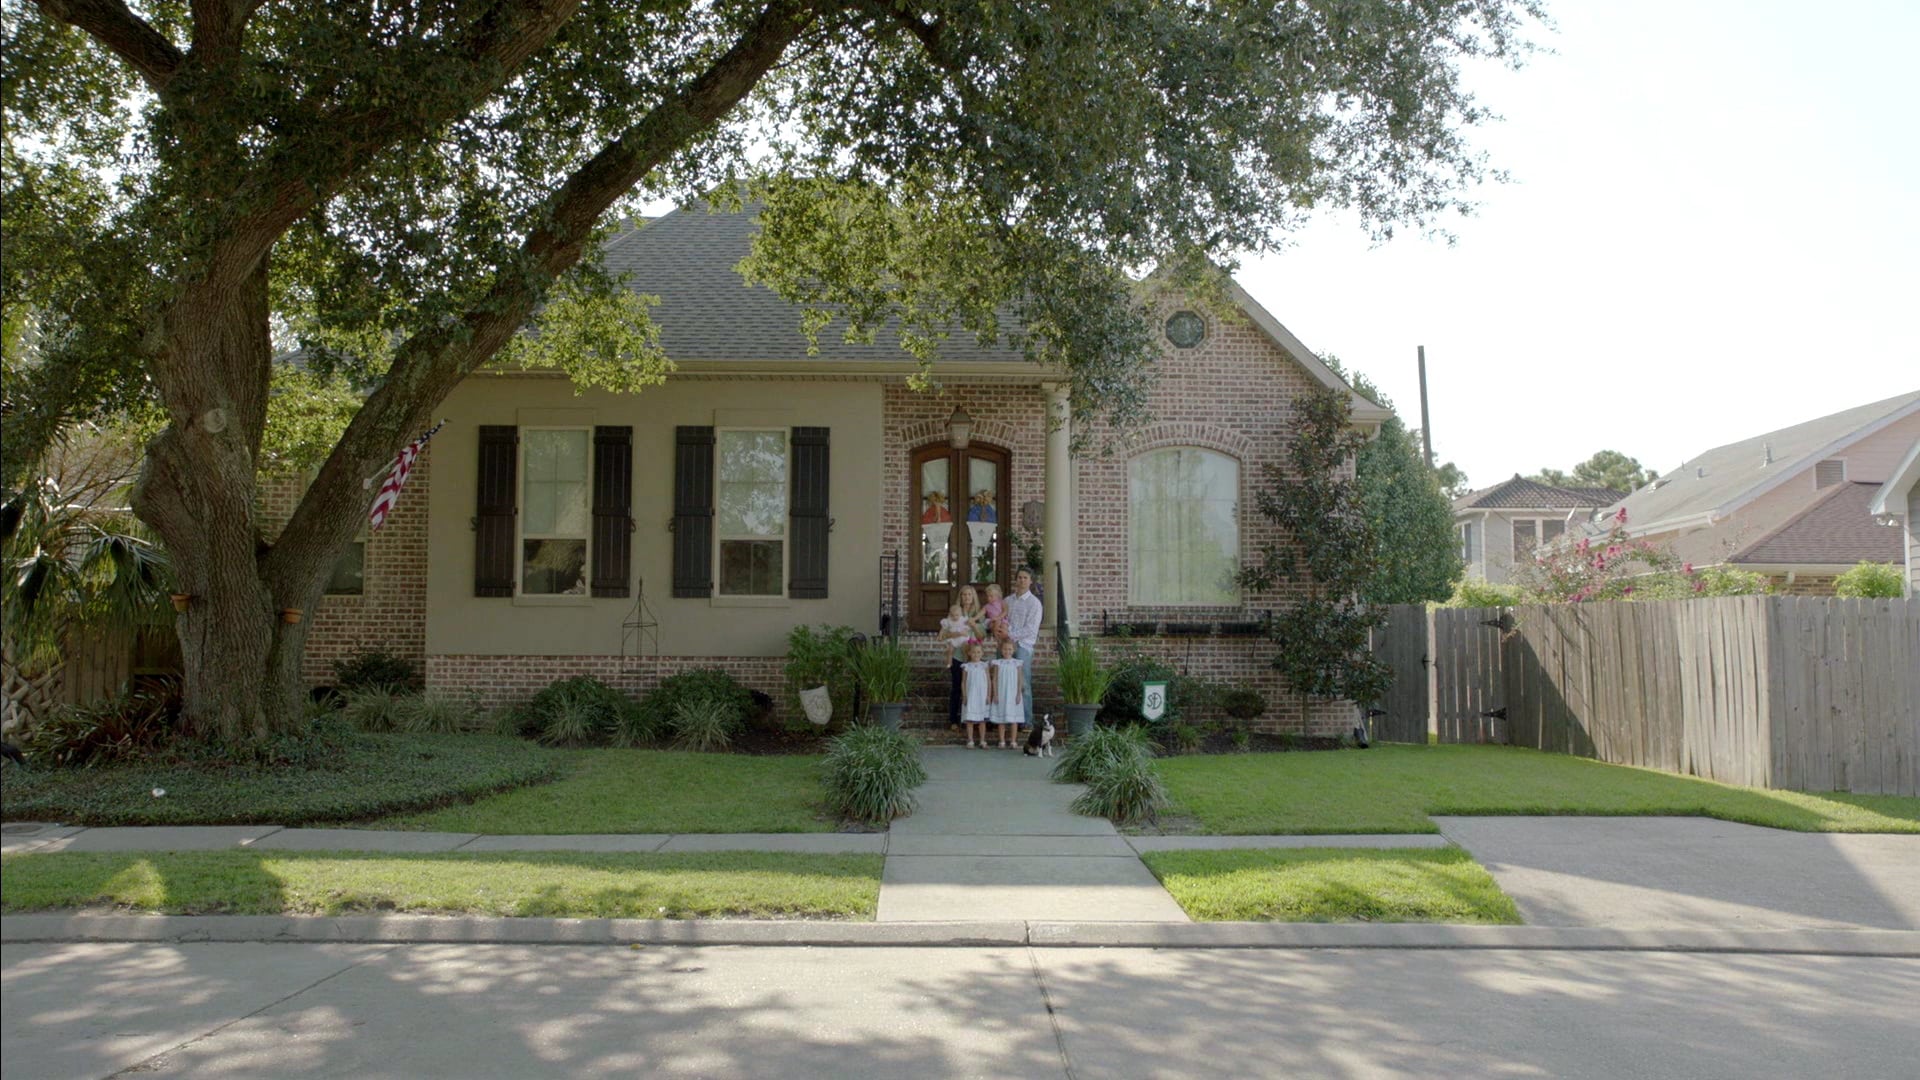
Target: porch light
(959, 428)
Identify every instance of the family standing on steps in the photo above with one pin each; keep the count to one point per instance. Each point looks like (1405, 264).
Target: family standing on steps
(999, 691)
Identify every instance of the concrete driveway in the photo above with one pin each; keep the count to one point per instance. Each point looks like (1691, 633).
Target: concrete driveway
(1674, 873)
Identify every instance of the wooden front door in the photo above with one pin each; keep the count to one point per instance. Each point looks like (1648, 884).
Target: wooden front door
(960, 512)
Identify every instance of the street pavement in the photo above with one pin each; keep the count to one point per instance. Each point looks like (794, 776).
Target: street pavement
(318, 1010)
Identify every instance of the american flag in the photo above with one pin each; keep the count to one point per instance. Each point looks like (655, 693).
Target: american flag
(396, 479)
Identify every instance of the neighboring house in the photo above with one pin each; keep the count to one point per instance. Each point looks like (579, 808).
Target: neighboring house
(628, 536)
(1500, 526)
(1792, 504)
(1897, 503)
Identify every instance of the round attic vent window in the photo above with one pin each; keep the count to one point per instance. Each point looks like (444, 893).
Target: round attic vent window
(1186, 329)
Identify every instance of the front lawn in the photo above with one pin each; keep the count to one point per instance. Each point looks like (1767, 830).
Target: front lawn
(726, 884)
(648, 791)
(1332, 884)
(1392, 789)
(353, 775)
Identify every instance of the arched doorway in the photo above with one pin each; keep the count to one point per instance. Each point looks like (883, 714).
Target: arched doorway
(959, 514)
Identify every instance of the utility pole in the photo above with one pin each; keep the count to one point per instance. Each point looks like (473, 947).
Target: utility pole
(1426, 424)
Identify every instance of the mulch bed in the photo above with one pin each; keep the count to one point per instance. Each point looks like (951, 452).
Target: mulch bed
(1261, 743)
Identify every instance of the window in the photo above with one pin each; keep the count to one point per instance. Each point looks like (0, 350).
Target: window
(751, 512)
(348, 577)
(554, 516)
(1186, 329)
(1184, 528)
(1469, 543)
(1529, 533)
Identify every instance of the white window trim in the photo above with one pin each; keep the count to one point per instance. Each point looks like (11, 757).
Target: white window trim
(779, 599)
(520, 593)
(1539, 531)
(1239, 601)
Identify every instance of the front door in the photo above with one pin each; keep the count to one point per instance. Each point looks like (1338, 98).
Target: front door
(959, 537)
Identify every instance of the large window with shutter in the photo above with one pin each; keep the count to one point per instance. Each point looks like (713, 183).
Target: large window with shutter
(750, 508)
(555, 515)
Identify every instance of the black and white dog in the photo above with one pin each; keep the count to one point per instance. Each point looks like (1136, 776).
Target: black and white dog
(1040, 739)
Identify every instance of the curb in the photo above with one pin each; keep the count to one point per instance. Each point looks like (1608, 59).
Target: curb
(432, 930)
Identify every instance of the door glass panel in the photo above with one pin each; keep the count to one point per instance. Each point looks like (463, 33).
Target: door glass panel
(983, 517)
(936, 522)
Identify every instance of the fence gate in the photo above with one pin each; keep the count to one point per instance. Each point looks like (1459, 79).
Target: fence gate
(1401, 644)
(1469, 673)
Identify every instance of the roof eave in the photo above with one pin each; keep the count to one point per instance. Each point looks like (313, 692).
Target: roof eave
(1905, 475)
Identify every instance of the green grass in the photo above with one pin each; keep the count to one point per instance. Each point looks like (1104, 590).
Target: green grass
(648, 791)
(355, 776)
(727, 884)
(1332, 885)
(1392, 789)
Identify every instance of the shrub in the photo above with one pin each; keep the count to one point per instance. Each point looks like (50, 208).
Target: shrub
(1471, 592)
(703, 724)
(376, 707)
(870, 774)
(1185, 738)
(1242, 702)
(580, 711)
(820, 656)
(885, 671)
(1870, 580)
(437, 712)
(1125, 790)
(1128, 676)
(131, 723)
(1090, 754)
(374, 667)
(701, 687)
(1241, 738)
(1083, 679)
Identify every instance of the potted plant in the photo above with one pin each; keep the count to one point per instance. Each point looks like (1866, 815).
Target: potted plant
(1083, 682)
(884, 670)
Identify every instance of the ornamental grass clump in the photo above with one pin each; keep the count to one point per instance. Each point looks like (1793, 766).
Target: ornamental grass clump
(1126, 791)
(703, 725)
(870, 774)
(437, 712)
(885, 670)
(1083, 680)
(377, 708)
(1098, 750)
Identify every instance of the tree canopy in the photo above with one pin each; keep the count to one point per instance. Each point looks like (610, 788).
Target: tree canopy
(398, 189)
(1607, 469)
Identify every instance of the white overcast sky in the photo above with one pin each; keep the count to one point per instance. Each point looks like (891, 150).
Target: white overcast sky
(1710, 232)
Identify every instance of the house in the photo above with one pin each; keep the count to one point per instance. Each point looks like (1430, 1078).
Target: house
(1500, 526)
(1793, 504)
(1897, 503)
(548, 533)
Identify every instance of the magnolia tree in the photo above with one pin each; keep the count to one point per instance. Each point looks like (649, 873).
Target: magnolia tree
(397, 188)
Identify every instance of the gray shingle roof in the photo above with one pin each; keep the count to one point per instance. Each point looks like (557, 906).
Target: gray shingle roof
(1837, 530)
(1724, 476)
(708, 312)
(1521, 493)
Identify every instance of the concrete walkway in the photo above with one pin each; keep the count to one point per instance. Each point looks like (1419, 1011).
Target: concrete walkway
(993, 838)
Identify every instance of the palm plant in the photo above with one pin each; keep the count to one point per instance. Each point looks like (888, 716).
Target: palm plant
(74, 562)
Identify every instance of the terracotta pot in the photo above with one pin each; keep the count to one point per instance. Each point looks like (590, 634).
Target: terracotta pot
(180, 600)
(290, 615)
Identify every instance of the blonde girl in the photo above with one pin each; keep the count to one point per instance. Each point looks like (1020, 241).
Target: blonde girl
(976, 682)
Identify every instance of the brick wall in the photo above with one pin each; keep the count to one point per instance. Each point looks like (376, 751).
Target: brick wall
(509, 680)
(1012, 418)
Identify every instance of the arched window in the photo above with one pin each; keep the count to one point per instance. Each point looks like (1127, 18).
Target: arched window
(1183, 532)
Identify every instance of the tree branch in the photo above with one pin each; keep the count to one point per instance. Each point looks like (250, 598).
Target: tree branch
(428, 366)
(125, 34)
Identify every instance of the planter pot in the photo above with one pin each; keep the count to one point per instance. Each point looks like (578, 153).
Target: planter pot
(1080, 718)
(818, 704)
(180, 600)
(290, 615)
(886, 714)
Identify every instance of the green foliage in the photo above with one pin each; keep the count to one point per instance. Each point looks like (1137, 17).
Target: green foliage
(1083, 679)
(885, 671)
(438, 712)
(579, 711)
(1243, 703)
(1333, 884)
(1321, 639)
(377, 707)
(820, 656)
(700, 687)
(703, 725)
(374, 667)
(1607, 469)
(1871, 580)
(1125, 788)
(599, 334)
(306, 414)
(346, 778)
(1617, 567)
(1450, 478)
(1096, 752)
(870, 774)
(1127, 676)
(1241, 738)
(1472, 592)
(1185, 738)
(129, 725)
(1417, 550)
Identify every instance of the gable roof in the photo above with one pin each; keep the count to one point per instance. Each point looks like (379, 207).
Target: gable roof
(707, 312)
(1725, 478)
(1838, 530)
(1521, 493)
(1905, 476)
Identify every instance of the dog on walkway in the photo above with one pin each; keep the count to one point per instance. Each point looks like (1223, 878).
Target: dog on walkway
(1040, 739)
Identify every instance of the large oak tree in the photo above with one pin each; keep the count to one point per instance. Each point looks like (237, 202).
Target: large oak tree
(399, 186)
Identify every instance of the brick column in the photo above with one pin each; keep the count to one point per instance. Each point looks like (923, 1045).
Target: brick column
(1058, 526)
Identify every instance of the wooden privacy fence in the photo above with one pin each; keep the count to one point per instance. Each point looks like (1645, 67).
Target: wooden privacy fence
(1810, 693)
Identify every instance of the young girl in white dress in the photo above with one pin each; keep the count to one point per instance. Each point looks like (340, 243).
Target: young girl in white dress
(1008, 708)
(975, 693)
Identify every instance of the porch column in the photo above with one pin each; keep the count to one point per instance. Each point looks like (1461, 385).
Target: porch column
(1058, 526)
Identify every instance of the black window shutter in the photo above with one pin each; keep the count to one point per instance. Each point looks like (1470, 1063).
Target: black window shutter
(612, 510)
(692, 511)
(808, 514)
(494, 508)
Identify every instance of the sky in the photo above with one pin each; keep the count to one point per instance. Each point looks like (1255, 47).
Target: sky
(1711, 232)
